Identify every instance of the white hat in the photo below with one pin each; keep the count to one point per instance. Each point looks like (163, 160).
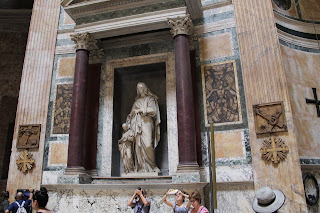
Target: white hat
(267, 200)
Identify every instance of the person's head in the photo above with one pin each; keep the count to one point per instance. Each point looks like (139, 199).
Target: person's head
(195, 199)
(144, 193)
(19, 196)
(180, 197)
(40, 198)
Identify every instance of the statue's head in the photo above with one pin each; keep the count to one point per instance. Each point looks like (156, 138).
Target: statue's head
(141, 88)
(125, 127)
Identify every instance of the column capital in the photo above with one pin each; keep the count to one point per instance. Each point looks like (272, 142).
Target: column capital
(96, 56)
(83, 41)
(181, 25)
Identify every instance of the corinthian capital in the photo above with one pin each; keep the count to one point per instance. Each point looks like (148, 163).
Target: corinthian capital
(181, 25)
(83, 41)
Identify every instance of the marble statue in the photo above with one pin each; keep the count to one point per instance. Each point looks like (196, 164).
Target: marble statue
(143, 127)
(125, 148)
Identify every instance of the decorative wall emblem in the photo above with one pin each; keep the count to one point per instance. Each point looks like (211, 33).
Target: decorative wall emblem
(25, 161)
(269, 118)
(274, 150)
(315, 101)
(28, 136)
(221, 93)
(311, 189)
(62, 109)
(181, 25)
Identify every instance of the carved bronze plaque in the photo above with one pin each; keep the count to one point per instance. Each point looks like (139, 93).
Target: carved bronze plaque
(220, 93)
(29, 136)
(274, 150)
(269, 118)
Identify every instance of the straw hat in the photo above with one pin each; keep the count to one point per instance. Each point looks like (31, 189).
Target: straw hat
(267, 200)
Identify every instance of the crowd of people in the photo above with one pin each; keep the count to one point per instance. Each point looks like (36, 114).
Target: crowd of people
(26, 202)
(37, 200)
(141, 204)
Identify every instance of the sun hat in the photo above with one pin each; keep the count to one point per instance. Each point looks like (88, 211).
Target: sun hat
(267, 200)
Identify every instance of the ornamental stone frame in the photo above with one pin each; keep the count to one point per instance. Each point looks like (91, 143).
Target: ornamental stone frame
(104, 154)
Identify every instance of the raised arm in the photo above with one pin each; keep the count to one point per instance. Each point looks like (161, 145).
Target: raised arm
(143, 199)
(164, 199)
(130, 202)
(188, 203)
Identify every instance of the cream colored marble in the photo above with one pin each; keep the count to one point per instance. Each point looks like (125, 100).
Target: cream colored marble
(105, 152)
(66, 67)
(302, 71)
(58, 153)
(34, 93)
(229, 144)
(216, 46)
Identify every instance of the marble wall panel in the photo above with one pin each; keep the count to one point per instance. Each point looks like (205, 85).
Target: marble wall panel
(233, 198)
(221, 93)
(302, 72)
(216, 46)
(66, 67)
(229, 144)
(58, 153)
(62, 109)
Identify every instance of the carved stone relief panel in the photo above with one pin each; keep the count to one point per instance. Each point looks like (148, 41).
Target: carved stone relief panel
(221, 93)
(29, 136)
(62, 109)
(269, 118)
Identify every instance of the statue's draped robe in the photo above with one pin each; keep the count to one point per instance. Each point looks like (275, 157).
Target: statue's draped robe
(146, 130)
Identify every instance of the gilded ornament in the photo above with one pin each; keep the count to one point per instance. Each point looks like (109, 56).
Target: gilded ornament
(25, 161)
(274, 150)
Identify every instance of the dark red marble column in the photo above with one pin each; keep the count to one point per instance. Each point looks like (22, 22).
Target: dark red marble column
(78, 113)
(92, 115)
(185, 105)
(196, 106)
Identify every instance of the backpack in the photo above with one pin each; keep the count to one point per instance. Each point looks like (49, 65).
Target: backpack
(21, 208)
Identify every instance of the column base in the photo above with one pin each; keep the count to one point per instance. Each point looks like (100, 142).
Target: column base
(74, 175)
(187, 173)
(92, 172)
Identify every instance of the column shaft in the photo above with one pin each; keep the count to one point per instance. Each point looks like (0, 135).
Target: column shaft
(77, 122)
(92, 115)
(185, 104)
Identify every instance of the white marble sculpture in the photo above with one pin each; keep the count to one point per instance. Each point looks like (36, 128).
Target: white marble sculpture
(141, 133)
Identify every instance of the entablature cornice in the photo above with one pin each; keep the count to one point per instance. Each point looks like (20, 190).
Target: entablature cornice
(92, 7)
(131, 24)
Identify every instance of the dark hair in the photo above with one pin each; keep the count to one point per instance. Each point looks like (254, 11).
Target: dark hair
(41, 197)
(196, 195)
(183, 192)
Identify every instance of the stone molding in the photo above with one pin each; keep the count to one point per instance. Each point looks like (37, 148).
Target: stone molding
(181, 25)
(131, 24)
(296, 25)
(87, 8)
(83, 41)
(96, 56)
(298, 41)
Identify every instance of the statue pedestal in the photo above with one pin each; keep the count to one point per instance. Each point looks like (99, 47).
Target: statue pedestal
(141, 174)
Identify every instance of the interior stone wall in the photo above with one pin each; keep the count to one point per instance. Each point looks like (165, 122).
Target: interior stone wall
(302, 72)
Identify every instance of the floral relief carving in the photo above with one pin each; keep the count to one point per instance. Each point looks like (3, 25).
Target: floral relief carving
(181, 25)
